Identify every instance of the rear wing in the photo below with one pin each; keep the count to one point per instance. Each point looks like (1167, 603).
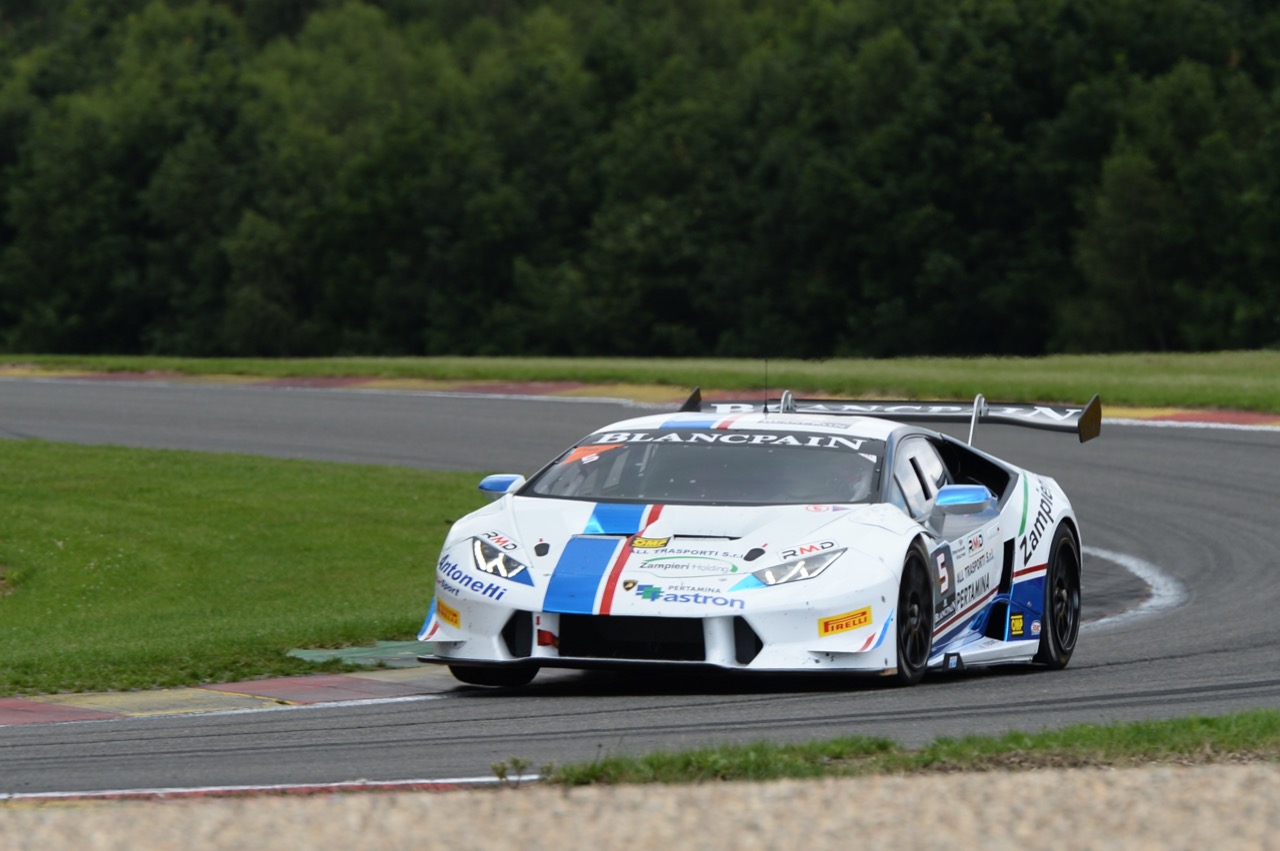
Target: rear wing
(1085, 422)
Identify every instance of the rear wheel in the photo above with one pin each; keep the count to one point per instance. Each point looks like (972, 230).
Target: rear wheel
(915, 621)
(484, 676)
(1060, 624)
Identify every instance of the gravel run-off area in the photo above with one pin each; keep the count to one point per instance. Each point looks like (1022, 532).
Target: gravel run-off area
(1161, 807)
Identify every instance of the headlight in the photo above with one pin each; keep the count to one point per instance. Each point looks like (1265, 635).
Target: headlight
(490, 559)
(797, 569)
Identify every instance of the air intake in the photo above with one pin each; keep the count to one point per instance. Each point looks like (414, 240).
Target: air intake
(639, 638)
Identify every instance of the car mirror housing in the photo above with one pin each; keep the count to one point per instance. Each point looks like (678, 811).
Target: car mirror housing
(964, 499)
(500, 484)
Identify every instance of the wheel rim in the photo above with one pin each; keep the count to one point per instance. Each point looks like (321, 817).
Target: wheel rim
(915, 628)
(1064, 599)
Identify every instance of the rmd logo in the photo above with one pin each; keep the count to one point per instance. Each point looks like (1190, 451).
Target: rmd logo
(500, 541)
(808, 549)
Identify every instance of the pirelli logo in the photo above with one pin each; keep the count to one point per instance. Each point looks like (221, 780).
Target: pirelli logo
(844, 623)
(448, 614)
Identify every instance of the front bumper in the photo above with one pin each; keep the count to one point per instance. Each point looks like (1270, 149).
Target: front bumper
(843, 637)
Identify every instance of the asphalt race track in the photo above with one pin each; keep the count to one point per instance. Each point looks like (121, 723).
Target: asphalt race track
(1192, 510)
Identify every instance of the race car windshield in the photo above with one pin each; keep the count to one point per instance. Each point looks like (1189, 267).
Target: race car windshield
(715, 467)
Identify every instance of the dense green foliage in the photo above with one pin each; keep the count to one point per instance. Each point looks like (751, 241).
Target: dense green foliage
(792, 178)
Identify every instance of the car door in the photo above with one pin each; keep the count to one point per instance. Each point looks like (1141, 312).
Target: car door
(965, 563)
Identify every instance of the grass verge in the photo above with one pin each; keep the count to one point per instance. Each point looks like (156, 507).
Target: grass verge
(1246, 737)
(124, 568)
(1237, 380)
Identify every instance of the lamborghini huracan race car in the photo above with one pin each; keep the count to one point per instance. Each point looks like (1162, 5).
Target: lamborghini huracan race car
(788, 535)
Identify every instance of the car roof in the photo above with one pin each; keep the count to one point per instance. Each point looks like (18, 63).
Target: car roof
(871, 428)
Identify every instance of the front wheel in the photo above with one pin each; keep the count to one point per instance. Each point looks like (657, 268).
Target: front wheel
(915, 621)
(1061, 619)
(477, 675)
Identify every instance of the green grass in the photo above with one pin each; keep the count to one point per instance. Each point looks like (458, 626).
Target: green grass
(1242, 380)
(124, 568)
(1249, 736)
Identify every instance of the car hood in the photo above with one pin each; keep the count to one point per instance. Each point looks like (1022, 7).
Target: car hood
(585, 554)
(750, 525)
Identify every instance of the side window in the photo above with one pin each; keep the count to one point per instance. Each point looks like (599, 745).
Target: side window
(931, 467)
(907, 479)
(918, 472)
(893, 495)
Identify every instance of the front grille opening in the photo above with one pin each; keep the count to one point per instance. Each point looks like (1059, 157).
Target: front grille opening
(518, 634)
(746, 644)
(618, 637)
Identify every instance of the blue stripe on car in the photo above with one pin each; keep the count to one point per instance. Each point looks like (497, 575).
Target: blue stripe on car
(611, 518)
(707, 423)
(431, 613)
(577, 576)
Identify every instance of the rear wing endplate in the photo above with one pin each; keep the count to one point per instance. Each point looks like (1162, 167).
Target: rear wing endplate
(1085, 422)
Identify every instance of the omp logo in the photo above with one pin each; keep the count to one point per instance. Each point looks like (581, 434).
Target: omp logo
(1015, 624)
(448, 614)
(844, 623)
(807, 549)
(648, 543)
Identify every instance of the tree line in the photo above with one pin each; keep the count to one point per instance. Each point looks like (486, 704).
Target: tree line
(787, 178)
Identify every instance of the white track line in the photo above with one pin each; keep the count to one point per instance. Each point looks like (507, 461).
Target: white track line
(1166, 592)
(283, 788)
(1178, 424)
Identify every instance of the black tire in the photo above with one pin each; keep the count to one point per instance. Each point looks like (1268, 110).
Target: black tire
(1060, 624)
(915, 621)
(498, 676)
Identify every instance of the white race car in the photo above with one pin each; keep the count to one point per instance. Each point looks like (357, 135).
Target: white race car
(793, 535)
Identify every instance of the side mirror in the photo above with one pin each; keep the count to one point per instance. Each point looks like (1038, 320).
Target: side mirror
(964, 499)
(500, 484)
